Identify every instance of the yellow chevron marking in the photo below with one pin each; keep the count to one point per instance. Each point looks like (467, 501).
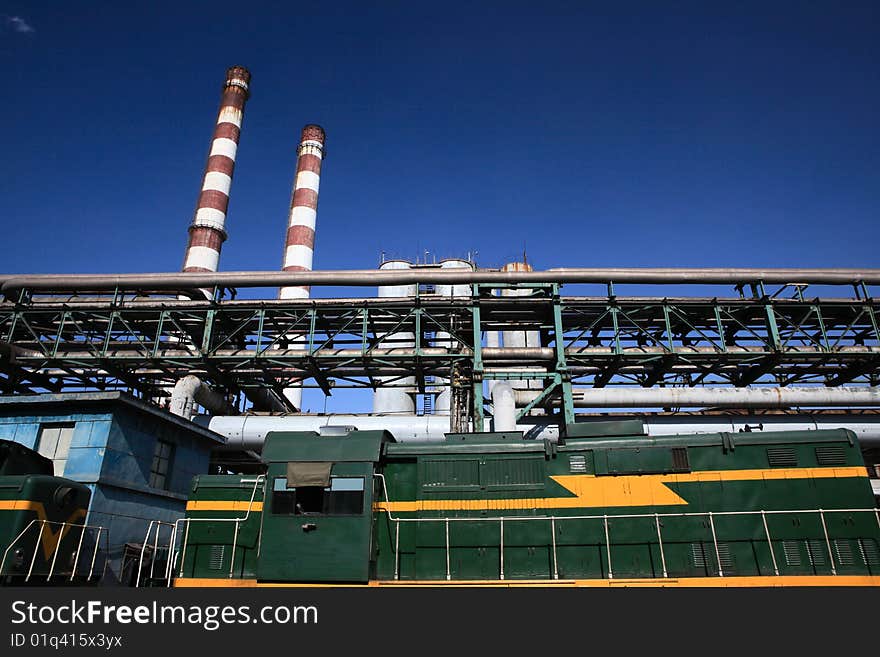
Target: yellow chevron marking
(223, 505)
(591, 491)
(697, 582)
(50, 538)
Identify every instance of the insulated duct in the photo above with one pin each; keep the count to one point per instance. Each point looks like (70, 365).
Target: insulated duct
(503, 407)
(248, 432)
(619, 397)
(191, 390)
(9, 283)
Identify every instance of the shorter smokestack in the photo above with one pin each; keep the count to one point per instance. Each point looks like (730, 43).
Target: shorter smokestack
(299, 246)
(208, 229)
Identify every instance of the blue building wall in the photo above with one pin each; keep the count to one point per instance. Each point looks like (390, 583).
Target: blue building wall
(112, 452)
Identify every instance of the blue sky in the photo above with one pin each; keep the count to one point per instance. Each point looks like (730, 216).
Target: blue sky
(590, 134)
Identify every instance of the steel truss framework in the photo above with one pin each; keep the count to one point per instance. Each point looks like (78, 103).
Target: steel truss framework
(146, 343)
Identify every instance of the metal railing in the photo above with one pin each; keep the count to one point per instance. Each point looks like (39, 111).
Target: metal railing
(66, 527)
(157, 524)
(708, 515)
(175, 533)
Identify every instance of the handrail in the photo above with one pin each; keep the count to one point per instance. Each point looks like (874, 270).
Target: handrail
(633, 515)
(711, 515)
(237, 521)
(158, 524)
(65, 526)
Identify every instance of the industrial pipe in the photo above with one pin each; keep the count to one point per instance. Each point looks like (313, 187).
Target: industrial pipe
(248, 432)
(522, 339)
(10, 353)
(503, 407)
(244, 432)
(191, 390)
(372, 277)
(619, 397)
(493, 342)
(264, 399)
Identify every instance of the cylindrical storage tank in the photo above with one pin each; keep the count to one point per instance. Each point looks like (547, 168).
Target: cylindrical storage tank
(521, 338)
(406, 290)
(442, 338)
(396, 400)
(446, 290)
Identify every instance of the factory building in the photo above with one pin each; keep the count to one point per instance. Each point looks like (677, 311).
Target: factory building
(137, 459)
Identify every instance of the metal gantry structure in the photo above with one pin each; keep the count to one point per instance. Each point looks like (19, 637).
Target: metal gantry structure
(125, 338)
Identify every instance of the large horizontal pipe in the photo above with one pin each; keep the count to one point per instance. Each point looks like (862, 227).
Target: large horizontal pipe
(370, 277)
(10, 353)
(169, 300)
(716, 397)
(248, 432)
(518, 354)
(191, 390)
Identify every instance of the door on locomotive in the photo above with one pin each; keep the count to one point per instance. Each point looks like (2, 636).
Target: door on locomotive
(317, 520)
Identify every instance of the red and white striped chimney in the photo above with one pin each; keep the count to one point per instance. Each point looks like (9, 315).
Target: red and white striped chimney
(300, 244)
(208, 229)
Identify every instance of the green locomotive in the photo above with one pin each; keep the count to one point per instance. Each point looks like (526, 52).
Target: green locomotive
(608, 506)
(42, 536)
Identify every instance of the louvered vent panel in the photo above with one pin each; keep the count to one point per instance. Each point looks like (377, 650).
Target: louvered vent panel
(792, 553)
(440, 474)
(215, 557)
(782, 457)
(831, 455)
(577, 463)
(818, 552)
(869, 552)
(698, 555)
(513, 472)
(843, 552)
(725, 557)
(680, 459)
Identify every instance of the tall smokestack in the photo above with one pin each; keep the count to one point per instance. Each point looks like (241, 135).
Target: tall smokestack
(208, 229)
(300, 244)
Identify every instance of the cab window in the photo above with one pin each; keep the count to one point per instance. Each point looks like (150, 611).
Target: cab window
(343, 497)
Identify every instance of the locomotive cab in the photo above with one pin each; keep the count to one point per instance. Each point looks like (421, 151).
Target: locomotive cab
(41, 520)
(317, 518)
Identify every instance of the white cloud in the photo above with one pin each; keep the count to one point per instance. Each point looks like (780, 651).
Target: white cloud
(18, 24)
